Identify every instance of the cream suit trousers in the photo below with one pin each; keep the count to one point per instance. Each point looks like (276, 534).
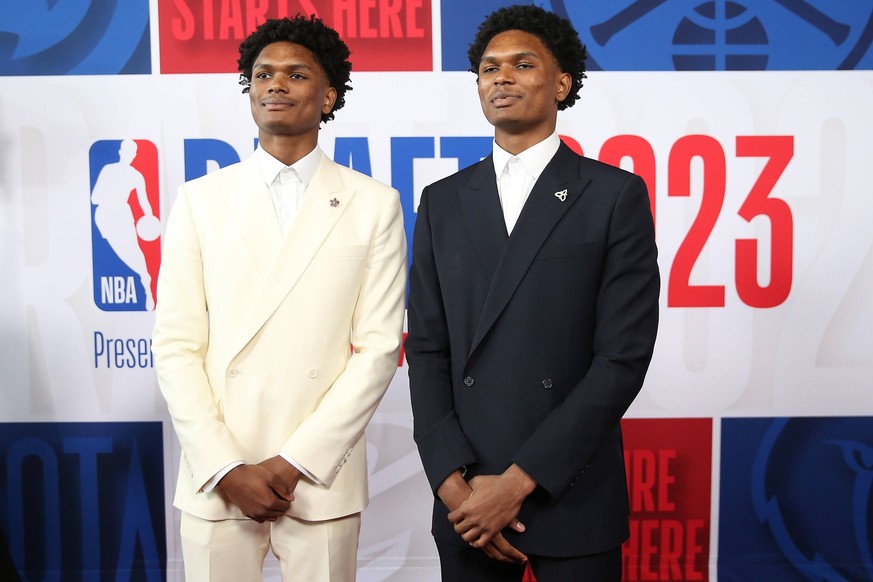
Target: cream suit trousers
(233, 550)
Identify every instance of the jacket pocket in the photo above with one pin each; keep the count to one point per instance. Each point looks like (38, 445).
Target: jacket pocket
(557, 251)
(343, 252)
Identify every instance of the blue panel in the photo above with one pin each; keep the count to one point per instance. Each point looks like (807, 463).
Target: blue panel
(74, 37)
(84, 501)
(795, 499)
(663, 35)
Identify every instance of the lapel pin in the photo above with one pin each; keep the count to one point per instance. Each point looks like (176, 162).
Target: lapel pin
(562, 195)
(334, 203)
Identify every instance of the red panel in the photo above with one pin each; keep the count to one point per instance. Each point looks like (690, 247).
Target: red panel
(669, 468)
(203, 36)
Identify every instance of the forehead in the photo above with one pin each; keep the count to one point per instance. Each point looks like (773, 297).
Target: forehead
(512, 42)
(284, 53)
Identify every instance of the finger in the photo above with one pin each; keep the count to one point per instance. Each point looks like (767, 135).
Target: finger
(482, 540)
(279, 487)
(463, 527)
(507, 550)
(282, 494)
(492, 553)
(279, 508)
(516, 525)
(478, 537)
(467, 533)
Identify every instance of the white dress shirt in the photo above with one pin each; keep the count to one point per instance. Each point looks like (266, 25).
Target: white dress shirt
(287, 184)
(516, 175)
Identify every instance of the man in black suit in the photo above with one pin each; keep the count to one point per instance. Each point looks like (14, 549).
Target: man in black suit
(533, 311)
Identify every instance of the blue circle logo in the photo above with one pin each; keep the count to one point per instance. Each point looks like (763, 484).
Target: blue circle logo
(723, 34)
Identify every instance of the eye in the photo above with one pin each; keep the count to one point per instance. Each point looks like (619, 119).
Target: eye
(524, 66)
(262, 75)
(488, 69)
(296, 76)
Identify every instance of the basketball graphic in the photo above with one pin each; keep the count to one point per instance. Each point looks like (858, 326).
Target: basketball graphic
(148, 228)
(720, 36)
(714, 35)
(725, 34)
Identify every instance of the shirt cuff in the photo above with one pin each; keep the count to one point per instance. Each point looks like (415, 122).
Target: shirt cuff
(303, 470)
(210, 485)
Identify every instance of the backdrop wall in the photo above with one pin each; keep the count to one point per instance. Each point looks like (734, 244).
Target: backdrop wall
(750, 448)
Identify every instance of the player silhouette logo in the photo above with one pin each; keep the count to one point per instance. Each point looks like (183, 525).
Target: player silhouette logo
(125, 224)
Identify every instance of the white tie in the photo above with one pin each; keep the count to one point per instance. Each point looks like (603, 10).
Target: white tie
(287, 188)
(512, 186)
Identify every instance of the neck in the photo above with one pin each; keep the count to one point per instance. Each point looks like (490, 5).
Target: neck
(517, 142)
(288, 149)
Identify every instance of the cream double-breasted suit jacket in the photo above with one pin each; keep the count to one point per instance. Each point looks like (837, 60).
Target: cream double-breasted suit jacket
(254, 330)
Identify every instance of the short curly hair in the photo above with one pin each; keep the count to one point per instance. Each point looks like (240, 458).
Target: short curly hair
(311, 33)
(557, 34)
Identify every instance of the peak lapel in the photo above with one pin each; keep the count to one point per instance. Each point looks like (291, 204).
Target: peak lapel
(324, 203)
(546, 205)
(250, 204)
(483, 217)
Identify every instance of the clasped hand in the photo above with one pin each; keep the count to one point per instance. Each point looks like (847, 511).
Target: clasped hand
(481, 508)
(263, 492)
(492, 506)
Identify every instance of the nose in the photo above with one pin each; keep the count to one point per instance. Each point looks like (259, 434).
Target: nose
(504, 76)
(278, 83)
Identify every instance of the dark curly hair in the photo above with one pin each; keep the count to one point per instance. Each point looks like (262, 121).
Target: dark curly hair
(557, 34)
(322, 41)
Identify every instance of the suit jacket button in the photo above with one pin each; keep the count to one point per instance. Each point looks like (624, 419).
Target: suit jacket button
(547, 383)
(468, 381)
(233, 373)
(312, 373)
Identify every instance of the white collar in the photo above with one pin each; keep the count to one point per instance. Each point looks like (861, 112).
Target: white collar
(534, 159)
(306, 167)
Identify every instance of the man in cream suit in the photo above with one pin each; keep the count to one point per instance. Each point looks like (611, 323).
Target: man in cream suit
(272, 267)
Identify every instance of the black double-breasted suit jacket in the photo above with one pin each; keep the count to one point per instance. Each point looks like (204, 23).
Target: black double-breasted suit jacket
(529, 348)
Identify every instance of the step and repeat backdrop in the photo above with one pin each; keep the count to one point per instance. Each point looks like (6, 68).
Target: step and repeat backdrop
(750, 449)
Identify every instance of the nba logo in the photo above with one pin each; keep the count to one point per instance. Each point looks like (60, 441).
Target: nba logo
(125, 224)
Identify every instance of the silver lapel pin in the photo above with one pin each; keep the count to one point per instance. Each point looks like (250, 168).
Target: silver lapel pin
(562, 195)
(334, 203)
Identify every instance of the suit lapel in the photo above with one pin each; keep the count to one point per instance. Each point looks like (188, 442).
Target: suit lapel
(540, 214)
(324, 203)
(483, 216)
(248, 200)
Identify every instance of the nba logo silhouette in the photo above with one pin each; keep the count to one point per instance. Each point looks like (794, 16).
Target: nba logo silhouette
(125, 224)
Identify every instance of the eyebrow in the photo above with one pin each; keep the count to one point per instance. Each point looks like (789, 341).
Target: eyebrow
(516, 56)
(272, 65)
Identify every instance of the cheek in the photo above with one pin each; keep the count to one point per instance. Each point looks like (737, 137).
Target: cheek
(309, 96)
(483, 96)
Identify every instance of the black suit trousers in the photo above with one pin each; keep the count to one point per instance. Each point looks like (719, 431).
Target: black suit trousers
(460, 564)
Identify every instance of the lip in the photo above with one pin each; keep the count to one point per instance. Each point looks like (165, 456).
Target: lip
(504, 98)
(276, 104)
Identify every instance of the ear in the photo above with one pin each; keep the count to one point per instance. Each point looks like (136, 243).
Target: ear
(563, 84)
(329, 100)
